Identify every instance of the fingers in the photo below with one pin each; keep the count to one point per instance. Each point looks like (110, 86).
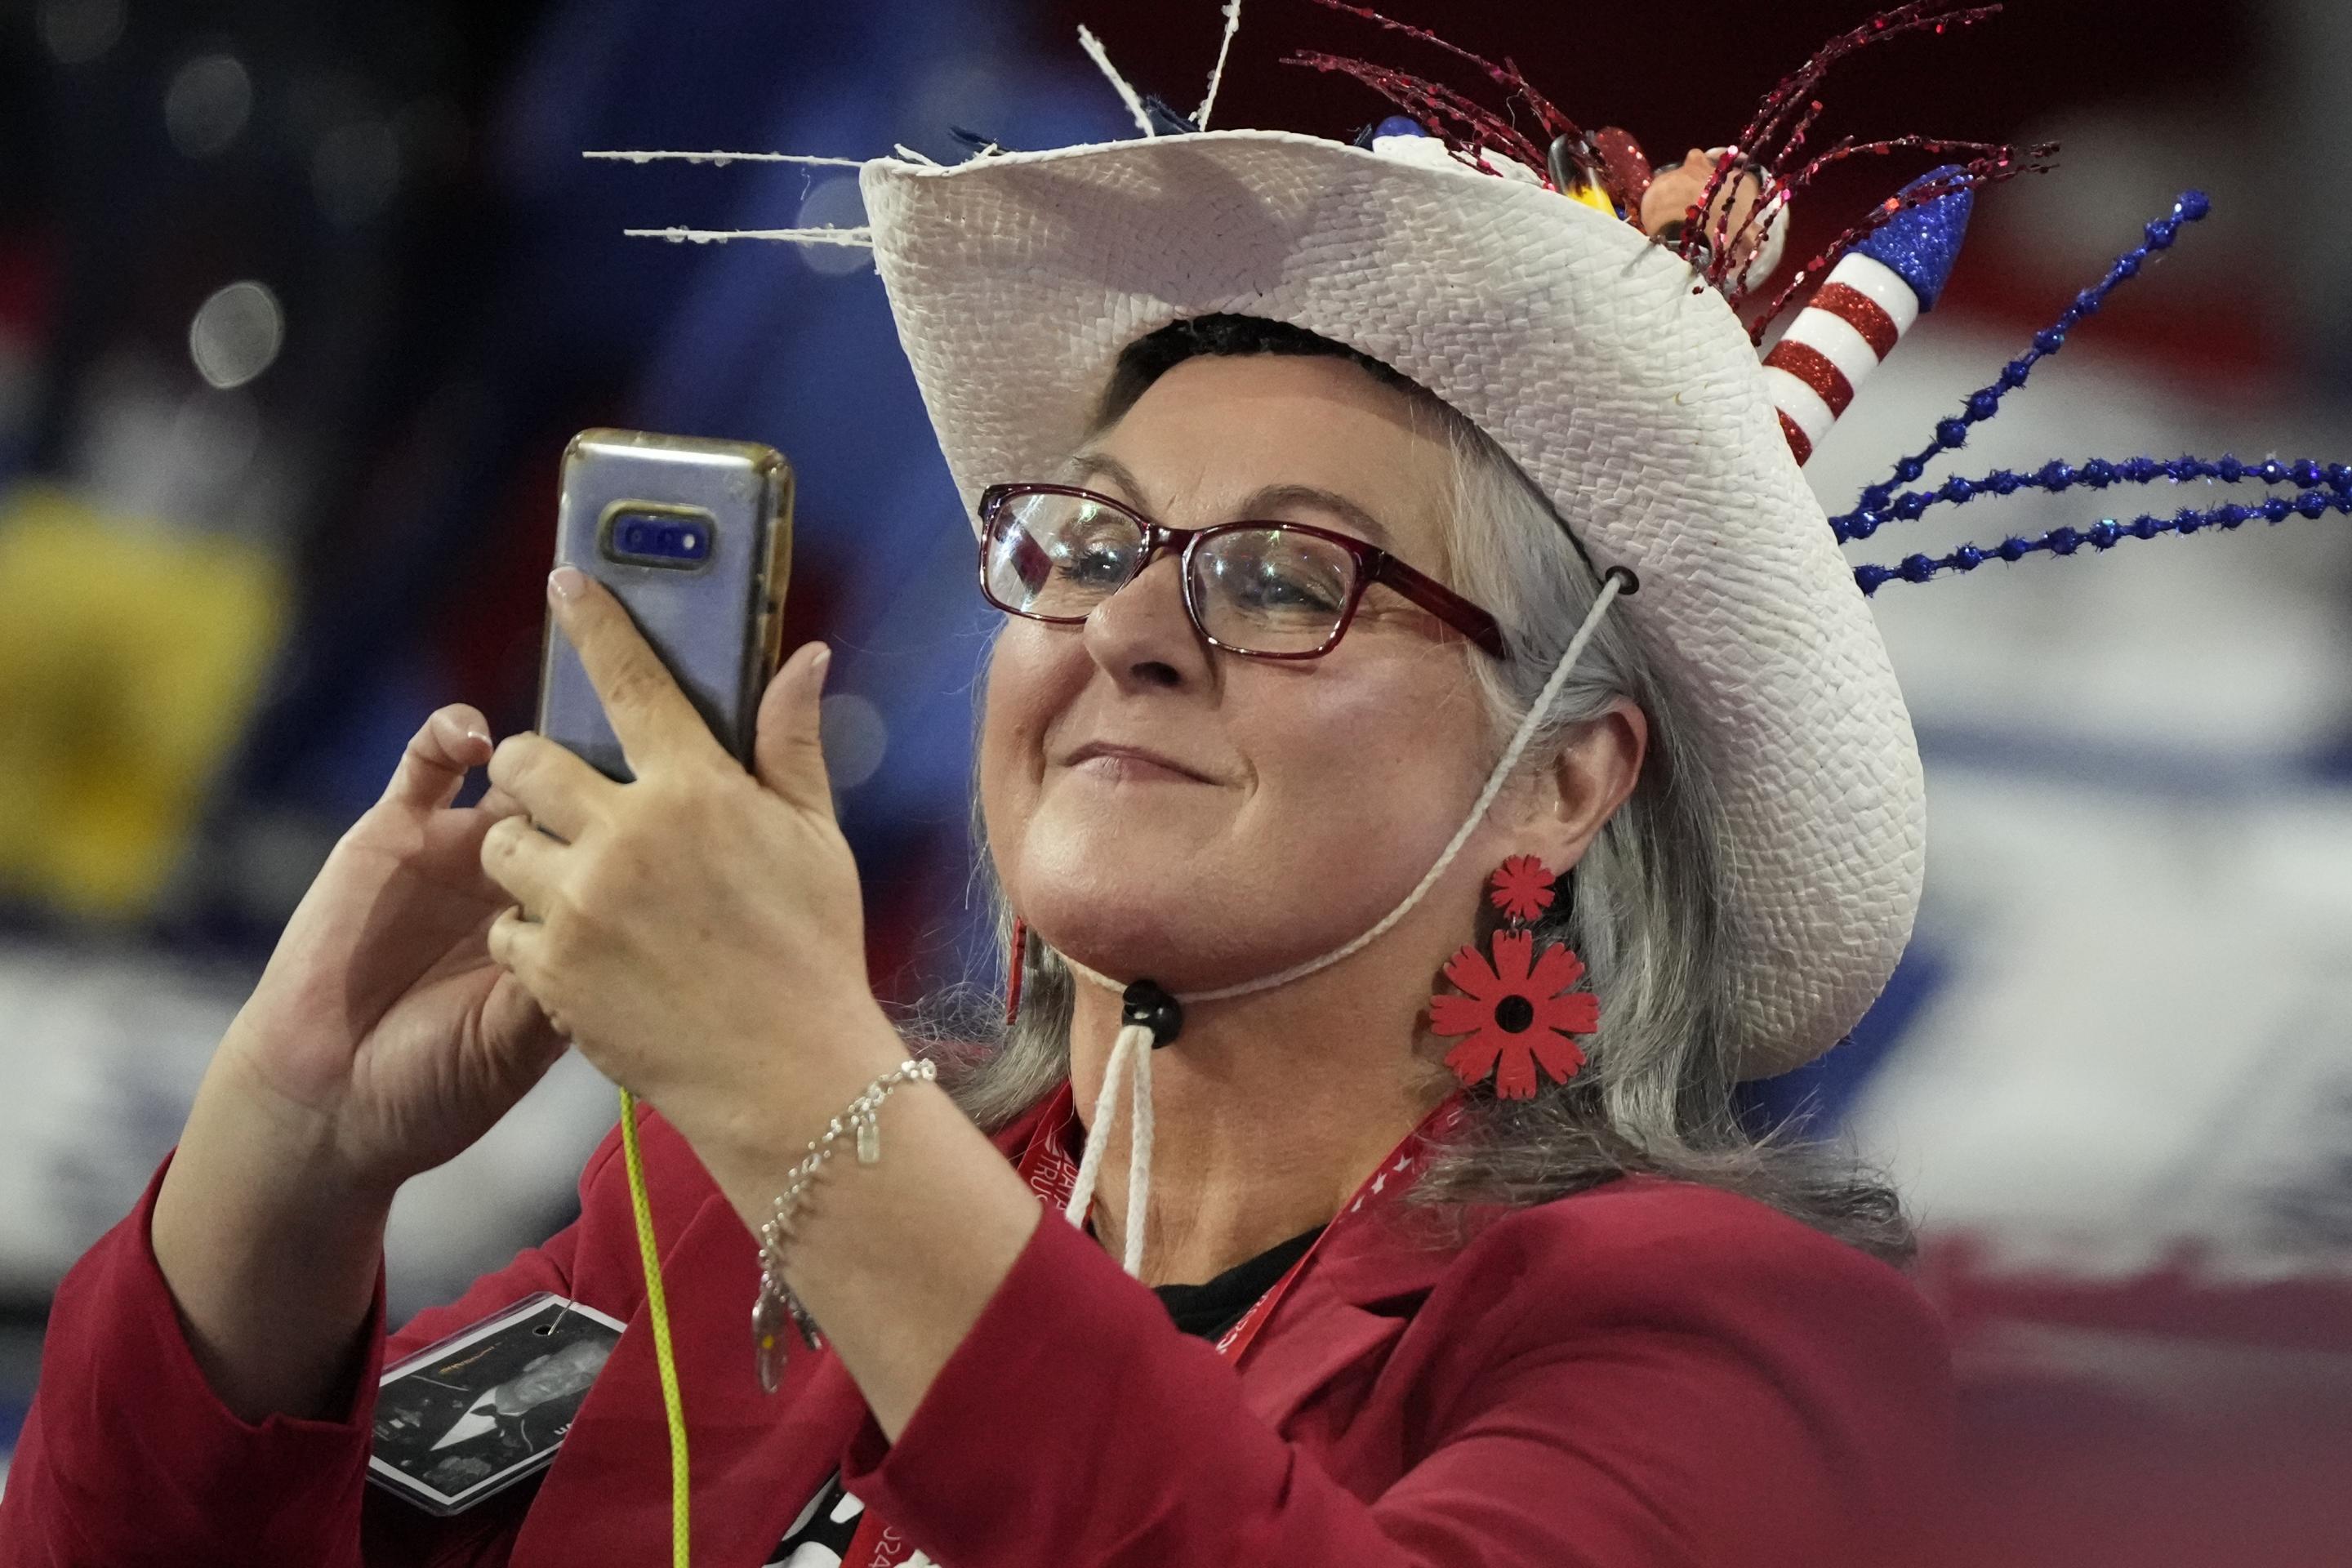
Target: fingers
(788, 755)
(497, 802)
(524, 861)
(649, 715)
(433, 769)
(550, 782)
(513, 943)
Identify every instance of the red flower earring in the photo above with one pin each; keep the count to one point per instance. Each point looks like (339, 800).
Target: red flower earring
(1518, 1009)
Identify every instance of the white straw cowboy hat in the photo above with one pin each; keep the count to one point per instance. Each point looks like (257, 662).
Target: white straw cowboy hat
(1630, 394)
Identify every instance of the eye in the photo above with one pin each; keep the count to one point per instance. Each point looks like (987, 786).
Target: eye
(1276, 574)
(1277, 585)
(1095, 549)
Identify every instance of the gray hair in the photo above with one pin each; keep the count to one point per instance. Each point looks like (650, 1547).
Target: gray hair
(1644, 908)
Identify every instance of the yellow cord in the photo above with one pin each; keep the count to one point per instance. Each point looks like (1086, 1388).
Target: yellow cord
(657, 1313)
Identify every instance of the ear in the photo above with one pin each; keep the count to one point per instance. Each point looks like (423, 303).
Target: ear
(1595, 771)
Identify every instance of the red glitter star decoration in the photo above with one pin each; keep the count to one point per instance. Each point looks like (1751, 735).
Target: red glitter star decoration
(1517, 1011)
(1522, 888)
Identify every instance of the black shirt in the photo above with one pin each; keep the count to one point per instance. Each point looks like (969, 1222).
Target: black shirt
(1209, 1310)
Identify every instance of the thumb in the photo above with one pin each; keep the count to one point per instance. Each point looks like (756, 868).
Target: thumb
(786, 755)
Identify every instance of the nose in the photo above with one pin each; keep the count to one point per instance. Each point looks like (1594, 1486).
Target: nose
(1140, 636)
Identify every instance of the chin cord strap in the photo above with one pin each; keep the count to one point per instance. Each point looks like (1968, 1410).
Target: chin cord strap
(1152, 1018)
(1133, 1047)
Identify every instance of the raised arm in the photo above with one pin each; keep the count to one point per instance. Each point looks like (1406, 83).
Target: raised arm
(1646, 1378)
(209, 1366)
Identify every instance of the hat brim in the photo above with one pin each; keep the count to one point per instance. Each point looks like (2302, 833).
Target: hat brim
(1634, 401)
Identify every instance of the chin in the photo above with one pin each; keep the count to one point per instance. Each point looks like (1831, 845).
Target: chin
(1181, 956)
(1190, 898)
(1099, 897)
(1186, 928)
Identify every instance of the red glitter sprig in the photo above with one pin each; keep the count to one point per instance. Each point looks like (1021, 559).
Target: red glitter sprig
(1796, 141)
(1771, 201)
(1769, 208)
(1974, 174)
(1787, 186)
(1507, 75)
(1463, 123)
(1772, 139)
(1762, 137)
(1850, 147)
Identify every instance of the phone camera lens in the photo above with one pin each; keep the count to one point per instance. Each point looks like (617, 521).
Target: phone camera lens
(648, 539)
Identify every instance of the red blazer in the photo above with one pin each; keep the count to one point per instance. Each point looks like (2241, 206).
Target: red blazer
(1650, 1373)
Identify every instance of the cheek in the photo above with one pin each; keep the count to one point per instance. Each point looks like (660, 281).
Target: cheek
(1027, 686)
(1366, 779)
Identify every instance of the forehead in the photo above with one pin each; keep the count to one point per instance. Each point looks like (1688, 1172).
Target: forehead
(1215, 431)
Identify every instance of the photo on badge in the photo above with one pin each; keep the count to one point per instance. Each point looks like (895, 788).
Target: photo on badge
(473, 1414)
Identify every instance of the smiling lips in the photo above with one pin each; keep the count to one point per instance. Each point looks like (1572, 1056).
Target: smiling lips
(1132, 764)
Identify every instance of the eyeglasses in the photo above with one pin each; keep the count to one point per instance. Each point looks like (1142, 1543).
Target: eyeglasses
(1267, 590)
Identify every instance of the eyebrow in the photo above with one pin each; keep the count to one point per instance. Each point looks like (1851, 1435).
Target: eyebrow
(1099, 464)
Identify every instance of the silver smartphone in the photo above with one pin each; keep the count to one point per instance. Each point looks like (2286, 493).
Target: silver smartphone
(695, 537)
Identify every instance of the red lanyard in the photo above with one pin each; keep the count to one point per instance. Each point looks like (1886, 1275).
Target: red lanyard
(1045, 1164)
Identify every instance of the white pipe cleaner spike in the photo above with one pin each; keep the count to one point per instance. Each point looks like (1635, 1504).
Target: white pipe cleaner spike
(721, 159)
(858, 237)
(1208, 98)
(1126, 95)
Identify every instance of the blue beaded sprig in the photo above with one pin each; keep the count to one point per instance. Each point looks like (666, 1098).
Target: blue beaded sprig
(2106, 535)
(2098, 474)
(1985, 402)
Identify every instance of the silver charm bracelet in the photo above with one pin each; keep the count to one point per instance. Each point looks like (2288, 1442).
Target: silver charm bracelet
(776, 1305)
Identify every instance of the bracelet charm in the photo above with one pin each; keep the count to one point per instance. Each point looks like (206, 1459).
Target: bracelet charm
(776, 1308)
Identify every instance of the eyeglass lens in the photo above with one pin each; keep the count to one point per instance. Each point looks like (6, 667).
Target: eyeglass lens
(1259, 590)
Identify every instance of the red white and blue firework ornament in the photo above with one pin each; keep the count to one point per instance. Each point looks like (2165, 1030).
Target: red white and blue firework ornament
(1883, 273)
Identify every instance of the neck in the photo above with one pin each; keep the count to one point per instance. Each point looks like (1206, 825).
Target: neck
(1267, 1112)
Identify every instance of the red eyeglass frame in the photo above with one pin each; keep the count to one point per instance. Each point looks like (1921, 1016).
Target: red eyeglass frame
(1373, 565)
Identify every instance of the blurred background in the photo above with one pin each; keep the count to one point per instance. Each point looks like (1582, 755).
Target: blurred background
(298, 305)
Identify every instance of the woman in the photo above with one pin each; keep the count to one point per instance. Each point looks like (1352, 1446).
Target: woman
(1590, 1324)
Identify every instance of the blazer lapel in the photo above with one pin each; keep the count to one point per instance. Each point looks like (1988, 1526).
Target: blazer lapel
(1348, 1307)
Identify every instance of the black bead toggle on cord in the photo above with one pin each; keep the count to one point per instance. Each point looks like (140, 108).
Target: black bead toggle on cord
(1145, 1003)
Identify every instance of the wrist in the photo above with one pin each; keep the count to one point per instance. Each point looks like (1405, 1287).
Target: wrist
(292, 1152)
(751, 1141)
(271, 1254)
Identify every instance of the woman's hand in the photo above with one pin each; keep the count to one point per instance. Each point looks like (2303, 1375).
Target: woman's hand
(381, 1018)
(682, 929)
(698, 934)
(379, 1042)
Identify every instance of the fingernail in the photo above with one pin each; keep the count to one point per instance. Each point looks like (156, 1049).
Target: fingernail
(821, 664)
(565, 583)
(478, 733)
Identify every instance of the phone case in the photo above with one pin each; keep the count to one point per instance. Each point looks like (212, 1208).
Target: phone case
(695, 538)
